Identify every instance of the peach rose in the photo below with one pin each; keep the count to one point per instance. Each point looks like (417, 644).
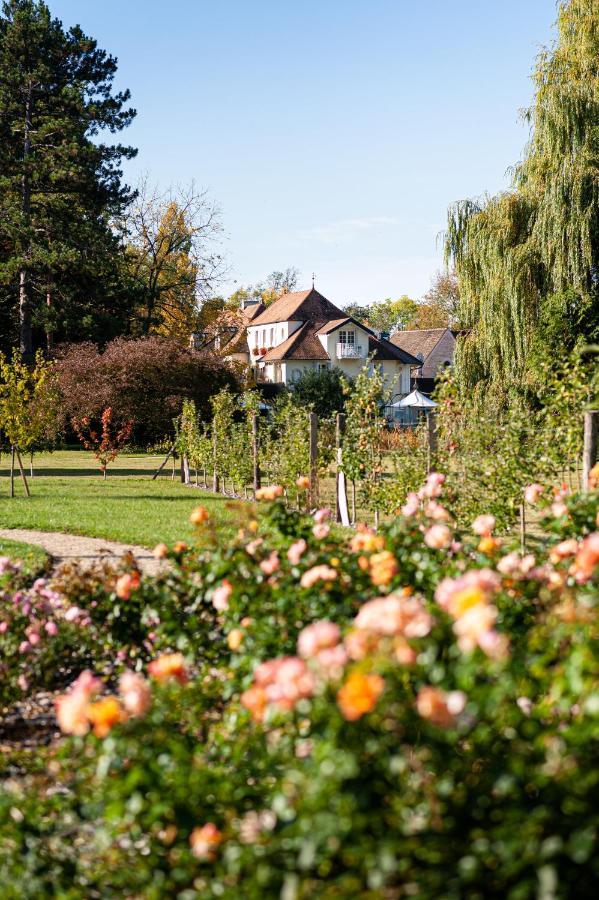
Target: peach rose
(199, 516)
(437, 537)
(204, 841)
(383, 568)
(167, 666)
(439, 707)
(135, 693)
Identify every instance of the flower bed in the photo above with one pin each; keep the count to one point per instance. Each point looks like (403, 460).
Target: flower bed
(304, 712)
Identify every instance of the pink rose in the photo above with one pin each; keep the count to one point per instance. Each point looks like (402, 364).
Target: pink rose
(411, 506)
(321, 531)
(483, 525)
(271, 564)
(316, 637)
(321, 515)
(437, 537)
(316, 574)
(136, 694)
(221, 595)
(532, 492)
(296, 551)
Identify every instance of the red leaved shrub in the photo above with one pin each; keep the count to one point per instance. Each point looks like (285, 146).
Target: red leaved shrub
(144, 380)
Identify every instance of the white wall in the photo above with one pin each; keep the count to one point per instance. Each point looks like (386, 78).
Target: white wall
(270, 335)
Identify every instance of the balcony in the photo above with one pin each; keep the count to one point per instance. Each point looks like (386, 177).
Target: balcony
(349, 351)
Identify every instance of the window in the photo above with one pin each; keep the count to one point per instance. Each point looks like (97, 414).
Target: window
(296, 374)
(272, 337)
(347, 337)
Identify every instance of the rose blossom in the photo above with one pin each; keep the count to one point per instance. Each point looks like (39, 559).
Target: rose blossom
(271, 564)
(296, 551)
(411, 506)
(321, 515)
(135, 693)
(483, 525)
(316, 637)
(316, 574)
(204, 841)
(437, 537)
(321, 531)
(394, 615)
(439, 707)
(532, 492)
(433, 485)
(221, 595)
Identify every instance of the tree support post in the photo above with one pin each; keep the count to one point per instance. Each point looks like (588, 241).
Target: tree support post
(589, 455)
(163, 464)
(313, 459)
(256, 453)
(22, 471)
(340, 488)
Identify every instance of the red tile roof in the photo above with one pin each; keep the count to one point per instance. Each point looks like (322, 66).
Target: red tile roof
(302, 306)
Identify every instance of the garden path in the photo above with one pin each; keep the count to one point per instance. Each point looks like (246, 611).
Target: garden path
(86, 550)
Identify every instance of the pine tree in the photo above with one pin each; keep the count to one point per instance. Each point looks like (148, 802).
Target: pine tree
(59, 185)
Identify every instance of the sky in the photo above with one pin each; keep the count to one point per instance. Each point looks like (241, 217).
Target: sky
(332, 134)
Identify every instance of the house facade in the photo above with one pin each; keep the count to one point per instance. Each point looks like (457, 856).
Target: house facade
(434, 349)
(304, 331)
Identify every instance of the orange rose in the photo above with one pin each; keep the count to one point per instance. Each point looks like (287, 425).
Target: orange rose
(199, 515)
(359, 695)
(383, 568)
(127, 583)
(205, 840)
(104, 714)
(169, 665)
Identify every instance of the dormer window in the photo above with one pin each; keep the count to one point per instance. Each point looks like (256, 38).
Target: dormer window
(347, 337)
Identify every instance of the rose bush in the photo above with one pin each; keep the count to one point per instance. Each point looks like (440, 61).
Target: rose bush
(334, 714)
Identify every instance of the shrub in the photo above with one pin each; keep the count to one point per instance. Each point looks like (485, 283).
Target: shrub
(408, 713)
(144, 380)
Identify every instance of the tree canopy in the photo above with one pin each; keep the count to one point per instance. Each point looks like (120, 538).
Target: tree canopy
(59, 184)
(527, 259)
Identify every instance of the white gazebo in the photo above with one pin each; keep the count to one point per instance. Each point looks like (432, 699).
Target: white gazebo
(406, 411)
(415, 400)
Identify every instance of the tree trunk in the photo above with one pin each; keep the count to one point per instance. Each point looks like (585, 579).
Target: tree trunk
(25, 331)
(12, 471)
(49, 332)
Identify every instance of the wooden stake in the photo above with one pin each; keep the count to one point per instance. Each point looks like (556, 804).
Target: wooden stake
(313, 459)
(163, 464)
(12, 471)
(589, 455)
(256, 452)
(22, 470)
(214, 470)
(339, 431)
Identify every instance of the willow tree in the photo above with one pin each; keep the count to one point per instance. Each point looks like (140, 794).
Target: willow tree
(527, 259)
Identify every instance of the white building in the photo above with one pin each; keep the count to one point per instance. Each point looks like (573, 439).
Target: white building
(304, 331)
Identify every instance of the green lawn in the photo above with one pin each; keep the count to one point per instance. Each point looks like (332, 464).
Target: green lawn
(34, 558)
(69, 495)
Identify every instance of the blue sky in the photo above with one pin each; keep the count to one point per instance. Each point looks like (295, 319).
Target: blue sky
(332, 133)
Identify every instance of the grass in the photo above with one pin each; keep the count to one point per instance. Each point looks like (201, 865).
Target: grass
(35, 559)
(70, 496)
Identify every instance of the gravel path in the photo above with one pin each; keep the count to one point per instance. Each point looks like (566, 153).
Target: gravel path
(70, 547)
